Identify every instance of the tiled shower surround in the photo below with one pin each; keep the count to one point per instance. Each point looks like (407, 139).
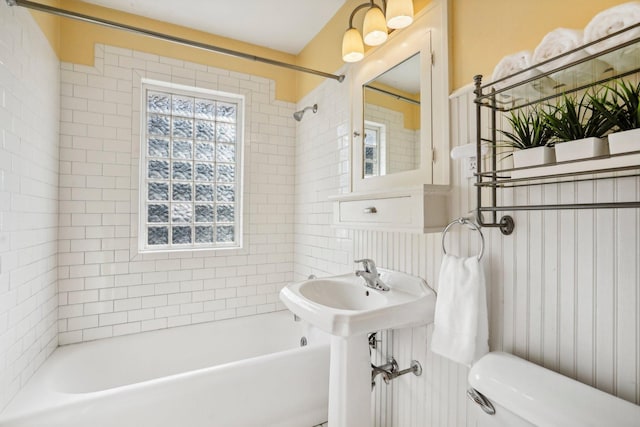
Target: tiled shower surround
(105, 287)
(29, 121)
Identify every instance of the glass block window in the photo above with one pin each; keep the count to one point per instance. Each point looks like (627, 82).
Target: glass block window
(374, 150)
(190, 186)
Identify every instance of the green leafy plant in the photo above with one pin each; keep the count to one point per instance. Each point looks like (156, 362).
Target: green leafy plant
(530, 129)
(622, 105)
(575, 118)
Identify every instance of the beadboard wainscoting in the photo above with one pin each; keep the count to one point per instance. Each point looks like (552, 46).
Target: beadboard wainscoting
(563, 288)
(106, 288)
(29, 123)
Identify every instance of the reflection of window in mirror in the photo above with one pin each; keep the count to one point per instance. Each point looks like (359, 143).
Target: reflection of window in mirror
(392, 99)
(374, 149)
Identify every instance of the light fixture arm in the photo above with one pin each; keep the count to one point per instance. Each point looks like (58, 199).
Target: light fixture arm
(378, 23)
(370, 4)
(356, 10)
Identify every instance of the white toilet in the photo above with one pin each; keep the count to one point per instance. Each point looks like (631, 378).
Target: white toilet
(526, 394)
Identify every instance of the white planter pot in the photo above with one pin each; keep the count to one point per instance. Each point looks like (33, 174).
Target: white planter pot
(533, 157)
(581, 149)
(625, 141)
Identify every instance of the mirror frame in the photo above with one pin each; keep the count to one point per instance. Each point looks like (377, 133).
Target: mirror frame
(427, 36)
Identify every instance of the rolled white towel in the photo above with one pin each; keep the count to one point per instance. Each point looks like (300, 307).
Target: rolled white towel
(609, 21)
(511, 64)
(558, 42)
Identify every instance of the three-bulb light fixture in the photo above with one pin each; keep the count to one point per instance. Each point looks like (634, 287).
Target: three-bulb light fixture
(394, 14)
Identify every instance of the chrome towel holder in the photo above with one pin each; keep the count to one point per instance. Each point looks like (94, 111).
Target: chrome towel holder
(470, 225)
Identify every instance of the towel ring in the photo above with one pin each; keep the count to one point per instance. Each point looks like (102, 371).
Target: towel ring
(472, 226)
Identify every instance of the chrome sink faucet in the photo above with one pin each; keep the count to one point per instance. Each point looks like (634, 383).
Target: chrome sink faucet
(370, 275)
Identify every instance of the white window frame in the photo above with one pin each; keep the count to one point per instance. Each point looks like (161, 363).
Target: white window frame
(177, 89)
(381, 130)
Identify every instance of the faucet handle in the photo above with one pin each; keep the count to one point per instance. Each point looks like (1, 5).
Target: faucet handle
(368, 264)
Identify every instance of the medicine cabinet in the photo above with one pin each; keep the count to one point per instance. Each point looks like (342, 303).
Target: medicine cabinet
(400, 130)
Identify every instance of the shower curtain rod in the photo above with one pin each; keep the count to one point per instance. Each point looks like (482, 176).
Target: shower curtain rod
(394, 95)
(217, 49)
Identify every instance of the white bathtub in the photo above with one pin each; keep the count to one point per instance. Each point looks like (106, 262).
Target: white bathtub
(243, 372)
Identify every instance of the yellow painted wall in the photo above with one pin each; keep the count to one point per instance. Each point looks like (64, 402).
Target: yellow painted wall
(49, 24)
(324, 52)
(76, 41)
(483, 31)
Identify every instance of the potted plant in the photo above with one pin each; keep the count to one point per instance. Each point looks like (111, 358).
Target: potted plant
(579, 127)
(529, 136)
(622, 109)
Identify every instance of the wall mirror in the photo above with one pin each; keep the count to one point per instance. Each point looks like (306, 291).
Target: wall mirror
(391, 142)
(399, 108)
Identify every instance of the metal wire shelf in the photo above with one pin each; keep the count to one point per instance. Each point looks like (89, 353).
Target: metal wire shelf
(614, 166)
(602, 205)
(503, 176)
(499, 94)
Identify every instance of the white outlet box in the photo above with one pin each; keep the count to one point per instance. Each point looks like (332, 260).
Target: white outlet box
(470, 166)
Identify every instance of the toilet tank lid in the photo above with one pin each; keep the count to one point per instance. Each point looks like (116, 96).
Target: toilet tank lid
(546, 398)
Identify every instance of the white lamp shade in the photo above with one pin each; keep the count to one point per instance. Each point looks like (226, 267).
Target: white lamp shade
(352, 46)
(399, 13)
(375, 27)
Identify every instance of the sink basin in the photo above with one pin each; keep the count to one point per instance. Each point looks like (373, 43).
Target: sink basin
(347, 309)
(341, 295)
(344, 306)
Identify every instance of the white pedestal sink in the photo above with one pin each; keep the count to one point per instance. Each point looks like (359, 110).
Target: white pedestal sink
(348, 310)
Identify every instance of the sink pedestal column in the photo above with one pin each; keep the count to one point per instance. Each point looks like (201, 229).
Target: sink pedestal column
(350, 382)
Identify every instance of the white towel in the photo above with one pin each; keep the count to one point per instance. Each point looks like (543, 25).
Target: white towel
(609, 21)
(461, 328)
(512, 64)
(558, 42)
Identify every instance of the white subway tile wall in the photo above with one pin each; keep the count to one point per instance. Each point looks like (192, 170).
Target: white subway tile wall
(322, 170)
(29, 121)
(563, 289)
(105, 287)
